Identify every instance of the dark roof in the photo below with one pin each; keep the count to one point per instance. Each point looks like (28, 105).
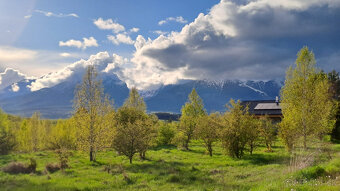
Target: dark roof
(264, 107)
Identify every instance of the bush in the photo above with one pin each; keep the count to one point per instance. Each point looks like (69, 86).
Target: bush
(52, 167)
(311, 173)
(18, 167)
(166, 133)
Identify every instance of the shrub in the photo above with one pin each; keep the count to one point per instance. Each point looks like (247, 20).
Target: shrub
(311, 173)
(52, 167)
(63, 156)
(166, 133)
(18, 167)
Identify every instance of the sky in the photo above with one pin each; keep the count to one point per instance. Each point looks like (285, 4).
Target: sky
(151, 43)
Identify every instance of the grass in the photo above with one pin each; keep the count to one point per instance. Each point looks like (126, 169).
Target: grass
(168, 168)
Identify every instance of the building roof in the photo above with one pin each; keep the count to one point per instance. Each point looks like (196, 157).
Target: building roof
(263, 107)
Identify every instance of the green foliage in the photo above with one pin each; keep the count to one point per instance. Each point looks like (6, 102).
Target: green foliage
(191, 111)
(135, 131)
(234, 135)
(334, 80)
(63, 135)
(166, 132)
(94, 115)
(7, 138)
(207, 130)
(267, 132)
(135, 100)
(306, 105)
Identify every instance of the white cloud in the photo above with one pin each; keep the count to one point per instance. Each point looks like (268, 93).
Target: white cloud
(120, 38)
(10, 54)
(159, 32)
(109, 24)
(65, 54)
(27, 16)
(248, 41)
(10, 76)
(134, 29)
(73, 72)
(51, 14)
(87, 42)
(179, 19)
(15, 87)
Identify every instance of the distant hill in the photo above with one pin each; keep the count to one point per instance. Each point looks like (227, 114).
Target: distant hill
(56, 102)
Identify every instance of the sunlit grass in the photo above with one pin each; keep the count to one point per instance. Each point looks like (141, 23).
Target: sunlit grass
(168, 168)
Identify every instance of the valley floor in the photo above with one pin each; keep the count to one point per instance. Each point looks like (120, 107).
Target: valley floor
(168, 168)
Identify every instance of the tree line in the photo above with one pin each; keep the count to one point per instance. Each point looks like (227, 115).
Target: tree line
(309, 105)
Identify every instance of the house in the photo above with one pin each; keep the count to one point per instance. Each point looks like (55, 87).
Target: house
(259, 108)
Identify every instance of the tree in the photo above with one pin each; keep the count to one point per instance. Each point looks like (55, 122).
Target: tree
(207, 130)
(94, 114)
(63, 135)
(166, 132)
(36, 133)
(306, 104)
(334, 80)
(135, 101)
(267, 131)
(24, 137)
(234, 133)
(134, 132)
(251, 127)
(191, 111)
(7, 138)
(135, 129)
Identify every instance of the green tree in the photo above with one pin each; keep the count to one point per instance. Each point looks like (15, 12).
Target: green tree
(24, 137)
(63, 135)
(191, 111)
(207, 130)
(234, 134)
(334, 80)
(166, 132)
(7, 138)
(306, 104)
(267, 132)
(94, 114)
(134, 132)
(135, 101)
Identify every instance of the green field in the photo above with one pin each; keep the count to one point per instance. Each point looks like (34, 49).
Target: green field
(168, 168)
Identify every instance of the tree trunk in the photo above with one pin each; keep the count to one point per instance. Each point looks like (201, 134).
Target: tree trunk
(91, 155)
(304, 141)
(210, 150)
(130, 159)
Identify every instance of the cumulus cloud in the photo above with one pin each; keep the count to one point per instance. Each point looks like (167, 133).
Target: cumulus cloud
(109, 24)
(87, 42)
(159, 32)
(73, 72)
(178, 19)
(10, 76)
(15, 87)
(120, 38)
(51, 14)
(134, 29)
(248, 40)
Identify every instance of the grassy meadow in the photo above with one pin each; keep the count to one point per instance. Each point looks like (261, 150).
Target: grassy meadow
(168, 168)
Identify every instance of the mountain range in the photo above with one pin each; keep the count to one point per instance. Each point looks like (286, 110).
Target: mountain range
(56, 101)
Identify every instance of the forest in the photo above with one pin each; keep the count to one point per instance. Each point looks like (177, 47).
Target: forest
(102, 147)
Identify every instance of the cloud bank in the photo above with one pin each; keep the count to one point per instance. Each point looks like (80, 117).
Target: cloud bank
(9, 77)
(247, 40)
(244, 40)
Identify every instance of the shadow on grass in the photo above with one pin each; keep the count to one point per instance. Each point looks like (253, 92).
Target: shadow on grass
(172, 172)
(168, 147)
(265, 159)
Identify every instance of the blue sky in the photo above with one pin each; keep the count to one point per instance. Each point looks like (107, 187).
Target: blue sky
(44, 33)
(151, 42)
